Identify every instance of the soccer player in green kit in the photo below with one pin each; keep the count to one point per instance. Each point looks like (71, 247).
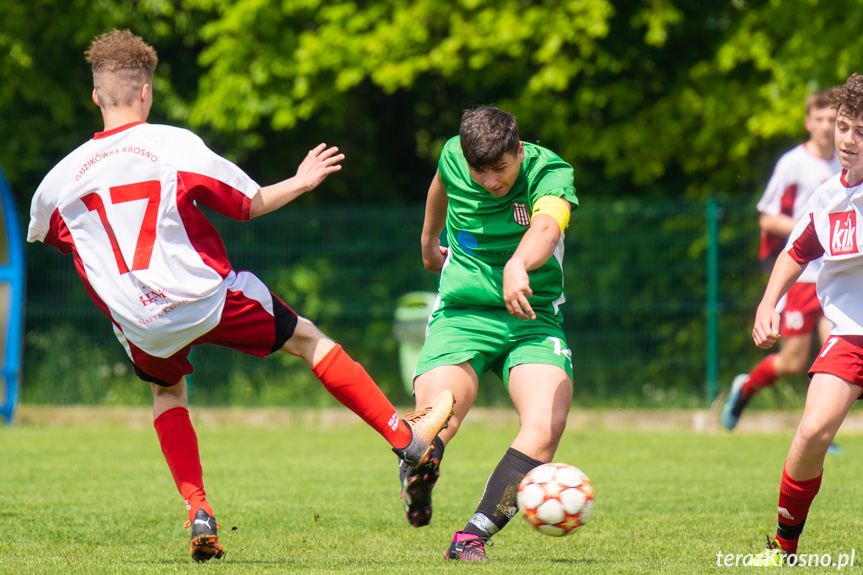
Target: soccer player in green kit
(505, 204)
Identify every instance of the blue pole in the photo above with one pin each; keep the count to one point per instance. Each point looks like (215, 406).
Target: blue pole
(13, 274)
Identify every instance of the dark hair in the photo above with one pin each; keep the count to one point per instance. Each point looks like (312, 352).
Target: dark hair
(818, 100)
(486, 135)
(848, 98)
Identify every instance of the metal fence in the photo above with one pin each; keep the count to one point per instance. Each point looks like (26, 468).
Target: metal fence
(661, 296)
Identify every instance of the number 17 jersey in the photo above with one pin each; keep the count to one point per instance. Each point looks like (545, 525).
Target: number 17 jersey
(124, 205)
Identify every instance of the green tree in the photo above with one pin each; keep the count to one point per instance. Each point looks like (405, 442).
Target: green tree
(643, 96)
(652, 96)
(45, 83)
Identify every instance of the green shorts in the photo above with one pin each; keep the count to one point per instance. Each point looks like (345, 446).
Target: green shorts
(492, 339)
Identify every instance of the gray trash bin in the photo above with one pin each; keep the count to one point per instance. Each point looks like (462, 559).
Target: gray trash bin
(411, 318)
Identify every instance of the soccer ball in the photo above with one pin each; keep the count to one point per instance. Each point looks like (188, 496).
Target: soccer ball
(555, 498)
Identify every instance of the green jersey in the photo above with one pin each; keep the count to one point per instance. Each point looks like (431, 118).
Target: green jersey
(483, 231)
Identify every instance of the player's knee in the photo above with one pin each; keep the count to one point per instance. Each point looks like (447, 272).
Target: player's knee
(168, 397)
(813, 436)
(790, 362)
(547, 431)
(558, 425)
(796, 364)
(304, 340)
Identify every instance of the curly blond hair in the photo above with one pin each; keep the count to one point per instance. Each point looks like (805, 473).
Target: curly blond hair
(848, 98)
(122, 62)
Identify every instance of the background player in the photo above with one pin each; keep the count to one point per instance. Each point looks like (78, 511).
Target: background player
(124, 205)
(505, 205)
(830, 230)
(796, 176)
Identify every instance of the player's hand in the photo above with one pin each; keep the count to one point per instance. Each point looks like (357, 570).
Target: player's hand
(434, 256)
(516, 290)
(319, 163)
(765, 333)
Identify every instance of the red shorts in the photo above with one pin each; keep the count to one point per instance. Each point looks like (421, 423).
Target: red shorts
(249, 324)
(801, 312)
(842, 356)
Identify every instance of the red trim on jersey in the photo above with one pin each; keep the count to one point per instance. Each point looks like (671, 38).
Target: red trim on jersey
(100, 135)
(59, 236)
(217, 195)
(807, 247)
(202, 234)
(771, 245)
(786, 204)
(844, 182)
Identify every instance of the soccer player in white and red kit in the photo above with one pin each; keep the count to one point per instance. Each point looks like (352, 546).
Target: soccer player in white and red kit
(796, 176)
(830, 231)
(124, 205)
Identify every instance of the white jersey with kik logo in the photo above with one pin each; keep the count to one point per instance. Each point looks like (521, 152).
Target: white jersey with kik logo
(797, 175)
(124, 205)
(832, 230)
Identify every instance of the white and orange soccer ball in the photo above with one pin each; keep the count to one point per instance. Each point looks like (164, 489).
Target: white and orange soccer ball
(555, 498)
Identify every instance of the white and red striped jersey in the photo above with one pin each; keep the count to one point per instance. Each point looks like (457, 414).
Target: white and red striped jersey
(831, 230)
(796, 176)
(124, 205)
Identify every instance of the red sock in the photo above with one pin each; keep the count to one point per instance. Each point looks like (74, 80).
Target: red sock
(348, 382)
(795, 497)
(762, 375)
(180, 448)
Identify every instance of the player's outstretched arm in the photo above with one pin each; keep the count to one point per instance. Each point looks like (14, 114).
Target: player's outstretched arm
(785, 272)
(537, 245)
(319, 163)
(435, 217)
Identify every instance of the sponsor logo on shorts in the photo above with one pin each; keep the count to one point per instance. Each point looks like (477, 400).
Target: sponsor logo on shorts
(843, 233)
(794, 319)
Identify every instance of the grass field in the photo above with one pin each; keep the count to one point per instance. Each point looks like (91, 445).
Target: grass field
(97, 498)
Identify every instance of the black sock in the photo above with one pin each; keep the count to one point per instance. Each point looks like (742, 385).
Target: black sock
(498, 505)
(789, 532)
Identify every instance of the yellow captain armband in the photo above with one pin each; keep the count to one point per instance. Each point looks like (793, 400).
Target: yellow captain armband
(553, 207)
